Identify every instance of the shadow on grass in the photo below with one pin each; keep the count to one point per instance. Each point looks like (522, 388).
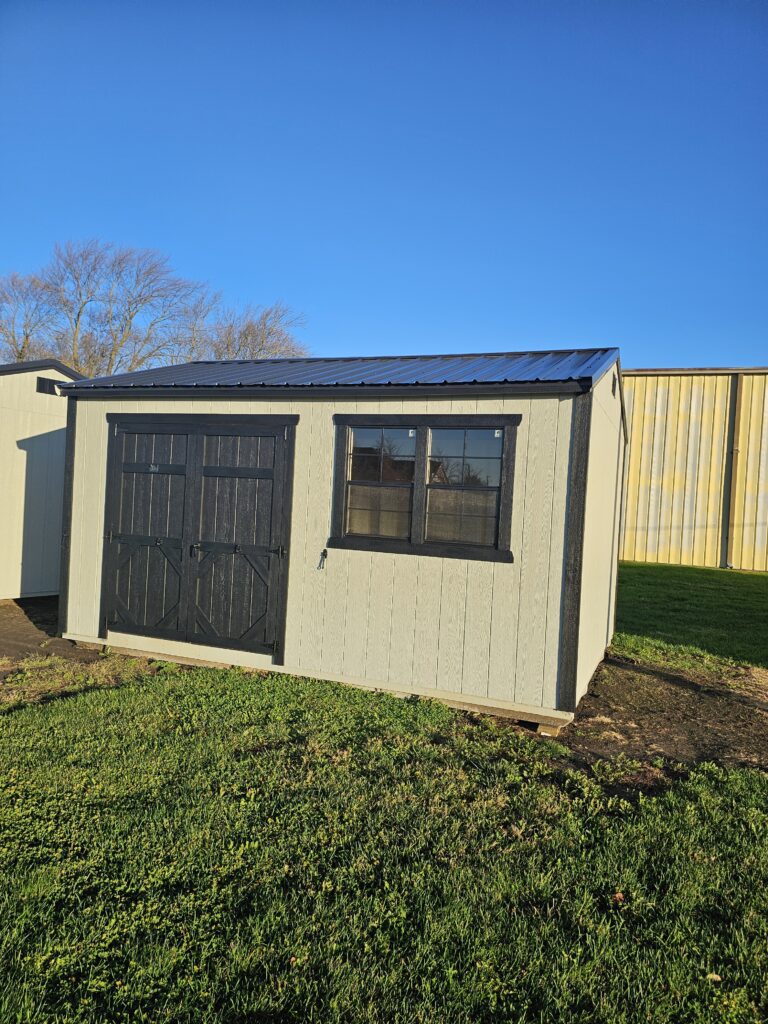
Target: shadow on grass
(720, 611)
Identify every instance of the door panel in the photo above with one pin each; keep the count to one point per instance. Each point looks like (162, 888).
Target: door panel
(145, 555)
(235, 566)
(196, 531)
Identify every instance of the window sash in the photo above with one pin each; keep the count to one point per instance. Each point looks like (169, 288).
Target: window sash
(418, 544)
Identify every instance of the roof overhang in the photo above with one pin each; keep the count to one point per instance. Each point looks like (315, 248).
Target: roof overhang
(34, 365)
(331, 392)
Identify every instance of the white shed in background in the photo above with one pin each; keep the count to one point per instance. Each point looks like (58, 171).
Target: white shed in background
(33, 422)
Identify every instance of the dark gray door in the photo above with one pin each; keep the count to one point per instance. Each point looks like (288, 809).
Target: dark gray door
(197, 530)
(145, 553)
(236, 540)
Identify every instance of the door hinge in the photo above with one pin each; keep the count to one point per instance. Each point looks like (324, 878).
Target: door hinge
(108, 535)
(280, 551)
(276, 648)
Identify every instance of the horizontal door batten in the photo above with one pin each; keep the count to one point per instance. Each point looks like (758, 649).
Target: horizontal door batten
(239, 473)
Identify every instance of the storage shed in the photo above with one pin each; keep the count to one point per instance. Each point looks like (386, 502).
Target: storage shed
(439, 525)
(32, 439)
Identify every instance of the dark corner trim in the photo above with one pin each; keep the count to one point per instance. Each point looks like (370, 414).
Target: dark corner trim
(578, 464)
(278, 656)
(66, 516)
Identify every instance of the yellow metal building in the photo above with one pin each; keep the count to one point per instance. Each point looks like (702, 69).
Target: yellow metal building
(696, 481)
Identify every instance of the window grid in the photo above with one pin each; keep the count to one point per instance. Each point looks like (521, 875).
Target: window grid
(470, 510)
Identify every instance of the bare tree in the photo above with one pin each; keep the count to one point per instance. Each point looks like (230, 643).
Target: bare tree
(261, 332)
(107, 309)
(118, 309)
(25, 316)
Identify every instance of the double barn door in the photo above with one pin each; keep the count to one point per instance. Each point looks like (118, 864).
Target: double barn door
(197, 523)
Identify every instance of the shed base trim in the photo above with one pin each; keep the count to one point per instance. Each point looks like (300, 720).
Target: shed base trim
(213, 657)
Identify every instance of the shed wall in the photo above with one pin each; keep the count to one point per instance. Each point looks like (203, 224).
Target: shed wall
(485, 632)
(32, 440)
(601, 529)
(678, 481)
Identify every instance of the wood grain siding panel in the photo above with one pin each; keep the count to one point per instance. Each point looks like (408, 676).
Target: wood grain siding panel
(555, 591)
(317, 517)
(600, 534)
(478, 607)
(404, 622)
(428, 611)
(507, 579)
(534, 557)
(450, 633)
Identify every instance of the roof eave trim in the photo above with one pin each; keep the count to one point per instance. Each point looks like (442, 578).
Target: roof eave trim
(329, 391)
(32, 365)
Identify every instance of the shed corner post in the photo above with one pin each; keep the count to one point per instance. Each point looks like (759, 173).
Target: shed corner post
(66, 517)
(578, 464)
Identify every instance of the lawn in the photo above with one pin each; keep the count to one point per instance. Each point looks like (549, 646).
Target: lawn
(217, 846)
(692, 618)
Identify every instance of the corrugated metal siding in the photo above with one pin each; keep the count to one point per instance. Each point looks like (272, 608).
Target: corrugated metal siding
(32, 440)
(749, 546)
(678, 476)
(487, 633)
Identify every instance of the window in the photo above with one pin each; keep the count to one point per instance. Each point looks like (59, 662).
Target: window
(439, 485)
(463, 485)
(379, 481)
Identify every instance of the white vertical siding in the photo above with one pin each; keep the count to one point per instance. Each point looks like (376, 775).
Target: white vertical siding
(484, 632)
(601, 528)
(32, 445)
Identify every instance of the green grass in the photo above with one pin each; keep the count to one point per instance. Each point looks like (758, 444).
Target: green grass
(701, 620)
(214, 846)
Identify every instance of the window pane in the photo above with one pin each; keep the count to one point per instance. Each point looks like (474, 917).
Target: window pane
(484, 443)
(397, 469)
(394, 499)
(445, 471)
(399, 441)
(364, 467)
(374, 523)
(462, 529)
(447, 442)
(366, 439)
(478, 503)
(482, 472)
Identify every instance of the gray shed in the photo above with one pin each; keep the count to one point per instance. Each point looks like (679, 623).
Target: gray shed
(441, 525)
(32, 438)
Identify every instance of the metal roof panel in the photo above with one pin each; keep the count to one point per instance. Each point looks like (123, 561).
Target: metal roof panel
(568, 366)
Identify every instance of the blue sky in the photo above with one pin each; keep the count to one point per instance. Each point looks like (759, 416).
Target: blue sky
(413, 176)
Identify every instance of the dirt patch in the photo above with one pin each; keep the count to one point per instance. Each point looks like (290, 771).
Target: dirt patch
(29, 627)
(645, 713)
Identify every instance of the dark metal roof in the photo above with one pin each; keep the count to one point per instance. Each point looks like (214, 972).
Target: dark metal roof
(40, 364)
(570, 369)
